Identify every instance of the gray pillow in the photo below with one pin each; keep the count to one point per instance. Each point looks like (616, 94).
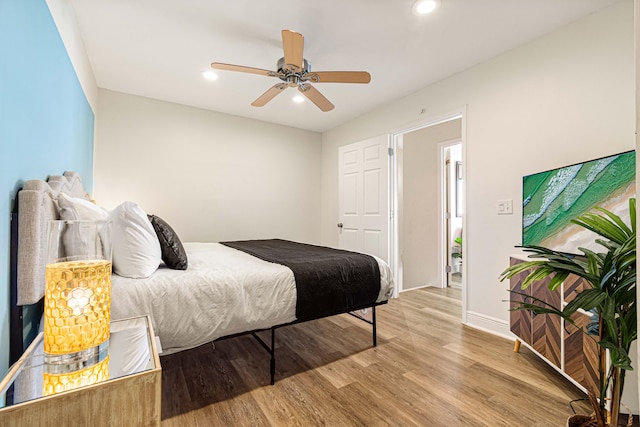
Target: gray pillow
(173, 253)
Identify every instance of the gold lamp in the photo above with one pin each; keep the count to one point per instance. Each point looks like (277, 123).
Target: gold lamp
(77, 304)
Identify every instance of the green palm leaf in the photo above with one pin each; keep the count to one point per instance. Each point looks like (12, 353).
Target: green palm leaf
(585, 300)
(601, 226)
(616, 219)
(611, 297)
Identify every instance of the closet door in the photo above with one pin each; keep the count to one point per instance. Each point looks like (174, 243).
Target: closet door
(363, 191)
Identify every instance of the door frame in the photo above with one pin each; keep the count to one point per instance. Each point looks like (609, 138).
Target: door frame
(394, 236)
(442, 210)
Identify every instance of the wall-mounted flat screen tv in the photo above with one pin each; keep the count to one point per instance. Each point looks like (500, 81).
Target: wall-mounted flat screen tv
(551, 199)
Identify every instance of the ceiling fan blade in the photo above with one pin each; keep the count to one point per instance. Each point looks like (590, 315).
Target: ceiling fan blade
(292, 44)
(316, 97)
(269, 95)
(340, 77)
(240, 68)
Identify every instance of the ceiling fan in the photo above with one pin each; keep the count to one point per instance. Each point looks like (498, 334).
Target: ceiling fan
(295, 71)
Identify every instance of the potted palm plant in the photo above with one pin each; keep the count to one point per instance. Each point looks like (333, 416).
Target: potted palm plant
(611, 296)
(456, 255)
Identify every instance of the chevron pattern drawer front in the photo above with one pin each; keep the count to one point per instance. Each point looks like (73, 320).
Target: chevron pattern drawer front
(545, 333)
(546, 328)
(581, 354)
(580, 351)
(520, 320)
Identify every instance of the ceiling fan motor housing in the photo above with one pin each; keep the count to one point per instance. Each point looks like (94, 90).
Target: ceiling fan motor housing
(281, 67)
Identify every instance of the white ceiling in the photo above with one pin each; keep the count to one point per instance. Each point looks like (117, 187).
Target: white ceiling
(159, 48)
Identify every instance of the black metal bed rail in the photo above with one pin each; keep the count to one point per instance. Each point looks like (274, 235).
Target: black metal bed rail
(271, 349)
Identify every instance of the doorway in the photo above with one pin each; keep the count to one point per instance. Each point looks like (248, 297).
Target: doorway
(422, 243)
(453, 205)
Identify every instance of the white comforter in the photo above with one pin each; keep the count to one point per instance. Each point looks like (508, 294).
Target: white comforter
(223, 292)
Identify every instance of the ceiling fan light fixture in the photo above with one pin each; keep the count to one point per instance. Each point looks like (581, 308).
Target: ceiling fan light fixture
(423, 7)
(298, 99)
(210, 75)
(294, 72)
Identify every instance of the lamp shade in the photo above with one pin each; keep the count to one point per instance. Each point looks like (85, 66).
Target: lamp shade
(77, 292)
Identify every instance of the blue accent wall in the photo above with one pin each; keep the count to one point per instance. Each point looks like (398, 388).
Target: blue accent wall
(46, 122)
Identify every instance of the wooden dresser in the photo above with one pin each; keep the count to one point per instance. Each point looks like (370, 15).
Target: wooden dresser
(564, 347)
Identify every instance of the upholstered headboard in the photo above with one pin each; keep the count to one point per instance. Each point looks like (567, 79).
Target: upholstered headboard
(36, 207)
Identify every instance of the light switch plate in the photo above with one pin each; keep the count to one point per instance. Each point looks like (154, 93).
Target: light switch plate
(505, 207)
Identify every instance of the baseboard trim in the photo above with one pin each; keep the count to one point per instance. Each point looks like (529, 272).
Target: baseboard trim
(419, 287)
(489, 324)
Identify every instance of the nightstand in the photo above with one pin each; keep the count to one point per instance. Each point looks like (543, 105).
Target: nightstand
(131, 396)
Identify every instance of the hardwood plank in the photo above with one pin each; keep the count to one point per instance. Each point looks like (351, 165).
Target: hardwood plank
(428, 369)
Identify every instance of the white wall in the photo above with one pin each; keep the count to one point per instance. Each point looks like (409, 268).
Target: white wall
(212, 176)
(419, 245)
(564, 98)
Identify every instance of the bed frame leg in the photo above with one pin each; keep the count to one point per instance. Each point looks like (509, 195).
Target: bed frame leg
(273, 356)
(375, 335)
(272, 351)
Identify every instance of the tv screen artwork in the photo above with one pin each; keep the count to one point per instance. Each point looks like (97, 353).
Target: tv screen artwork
(553, 198)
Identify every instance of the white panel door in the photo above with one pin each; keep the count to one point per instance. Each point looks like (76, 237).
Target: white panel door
(363, 184)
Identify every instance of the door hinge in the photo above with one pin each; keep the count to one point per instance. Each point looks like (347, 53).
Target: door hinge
(390, 151)
(448, 269)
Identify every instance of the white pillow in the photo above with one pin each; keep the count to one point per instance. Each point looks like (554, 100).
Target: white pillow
(136, 249)
(76, 208)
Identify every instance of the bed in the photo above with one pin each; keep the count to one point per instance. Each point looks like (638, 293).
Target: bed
(228, 289)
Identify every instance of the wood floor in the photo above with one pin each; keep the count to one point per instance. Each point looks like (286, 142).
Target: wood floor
(427, 370)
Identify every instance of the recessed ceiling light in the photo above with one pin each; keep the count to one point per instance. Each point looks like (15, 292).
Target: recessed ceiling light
(210, 75)
(298, 99)
(422, 7)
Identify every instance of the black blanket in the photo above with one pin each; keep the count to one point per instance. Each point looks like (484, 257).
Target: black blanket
(328, 281)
